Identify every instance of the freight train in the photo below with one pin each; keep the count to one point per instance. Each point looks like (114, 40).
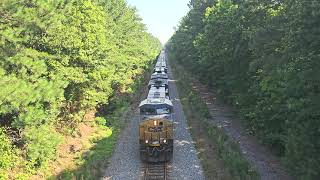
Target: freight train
(156, 122)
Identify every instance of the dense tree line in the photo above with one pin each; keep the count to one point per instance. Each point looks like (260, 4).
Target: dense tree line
(263, 56)
(58, 61)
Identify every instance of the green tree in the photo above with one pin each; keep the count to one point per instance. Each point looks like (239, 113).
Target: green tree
(263, 57)
(58, 61)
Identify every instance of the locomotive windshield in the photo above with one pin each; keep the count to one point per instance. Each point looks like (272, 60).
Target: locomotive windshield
(163, 111)
(155, 111)
(158, 81)
(147, 111)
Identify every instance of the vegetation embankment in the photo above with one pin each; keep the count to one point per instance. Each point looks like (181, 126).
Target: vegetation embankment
(91, 161)
(60, 61)
(263, 58)
(220, 157)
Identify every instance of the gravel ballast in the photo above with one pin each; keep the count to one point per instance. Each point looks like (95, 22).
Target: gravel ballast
(186, 164)
(125, 162)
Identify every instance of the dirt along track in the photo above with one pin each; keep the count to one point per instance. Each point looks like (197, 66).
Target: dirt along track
(125, 162)
(267, 165)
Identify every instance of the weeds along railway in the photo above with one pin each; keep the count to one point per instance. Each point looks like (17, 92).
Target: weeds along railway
(156, 124)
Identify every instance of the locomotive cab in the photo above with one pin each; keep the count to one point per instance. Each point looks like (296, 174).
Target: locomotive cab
(156, 130)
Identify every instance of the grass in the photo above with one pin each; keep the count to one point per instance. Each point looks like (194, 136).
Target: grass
(221, 158)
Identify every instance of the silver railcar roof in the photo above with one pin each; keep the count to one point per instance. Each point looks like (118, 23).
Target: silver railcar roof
(158, 101)
(161, 75)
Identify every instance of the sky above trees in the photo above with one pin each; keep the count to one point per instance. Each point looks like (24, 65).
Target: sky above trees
(162, 16)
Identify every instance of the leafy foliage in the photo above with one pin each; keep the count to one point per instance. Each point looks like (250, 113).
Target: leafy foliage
(8, 155)
(60, 60)
(263, 57)
(100, 121)
(197, 113)
(41, 145)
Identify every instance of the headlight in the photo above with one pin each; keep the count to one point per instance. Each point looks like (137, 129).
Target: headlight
(164, 141)
(147, 141)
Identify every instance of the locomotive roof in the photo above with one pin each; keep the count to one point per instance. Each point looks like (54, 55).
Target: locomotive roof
(159, 75)
(157, 68)
(158, 82)
(161, 64)
(157, 92)
(161, 61)
(155, 102)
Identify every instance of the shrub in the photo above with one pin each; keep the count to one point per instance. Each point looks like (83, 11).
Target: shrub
(100, 121)
(7, 154)
(42, 145)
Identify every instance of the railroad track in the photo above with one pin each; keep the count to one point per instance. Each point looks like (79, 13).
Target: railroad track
(156, 171)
